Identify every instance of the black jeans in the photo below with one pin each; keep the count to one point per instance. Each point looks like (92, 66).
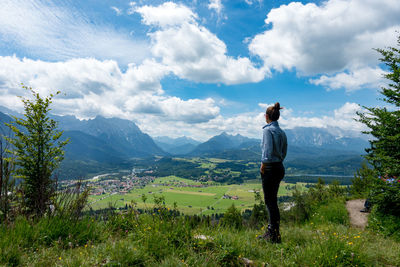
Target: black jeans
(273, 175)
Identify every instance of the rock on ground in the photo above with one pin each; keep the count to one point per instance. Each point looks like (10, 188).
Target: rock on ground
(357, 219)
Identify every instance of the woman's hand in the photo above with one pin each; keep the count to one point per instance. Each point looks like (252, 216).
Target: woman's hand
(262, 167)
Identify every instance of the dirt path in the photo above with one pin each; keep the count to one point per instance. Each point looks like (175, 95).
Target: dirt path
(357, 218)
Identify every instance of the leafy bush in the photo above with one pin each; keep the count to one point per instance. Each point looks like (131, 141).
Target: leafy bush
(259, 213)
(385, 195)
(232, 218)
(306, 203)
(385, 215)
(363, 181)
(332, 212)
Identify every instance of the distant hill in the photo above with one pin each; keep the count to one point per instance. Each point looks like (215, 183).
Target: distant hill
(220, 143)
(176, 146)
(310, 150)
(301, 140)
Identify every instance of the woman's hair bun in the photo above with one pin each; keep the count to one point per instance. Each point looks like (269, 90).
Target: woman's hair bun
(277, 106)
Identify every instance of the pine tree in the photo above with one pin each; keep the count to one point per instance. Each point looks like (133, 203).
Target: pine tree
(384, 123)
(38, 151)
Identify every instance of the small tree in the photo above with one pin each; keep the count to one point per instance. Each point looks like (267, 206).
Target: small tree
(363, 181)
(7, 183)
(38, 151)
(232, 218)
(384, 123)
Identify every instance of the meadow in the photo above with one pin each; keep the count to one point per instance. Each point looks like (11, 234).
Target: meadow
(191, 200)
(162, 239)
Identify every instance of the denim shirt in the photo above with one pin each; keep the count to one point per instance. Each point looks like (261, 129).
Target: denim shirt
(274, 143)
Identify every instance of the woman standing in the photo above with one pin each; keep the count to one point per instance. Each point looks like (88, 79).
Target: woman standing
(274, 148)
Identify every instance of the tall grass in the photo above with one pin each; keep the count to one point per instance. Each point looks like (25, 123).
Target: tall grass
(160, 237)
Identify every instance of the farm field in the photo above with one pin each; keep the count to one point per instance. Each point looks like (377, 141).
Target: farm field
(189, 197)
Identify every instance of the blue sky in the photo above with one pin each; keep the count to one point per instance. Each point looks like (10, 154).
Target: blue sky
(198, 68)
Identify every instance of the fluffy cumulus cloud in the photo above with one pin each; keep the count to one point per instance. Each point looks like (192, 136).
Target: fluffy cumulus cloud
(191, 51)
(335, 36)
(341, 120)
(340, 123)
(166, 15)
(353, 80)
(57, 31)
(91, 87)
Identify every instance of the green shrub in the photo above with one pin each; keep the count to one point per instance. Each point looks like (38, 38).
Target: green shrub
(232, 218)
(387, 224)
(332, 212)
(363, 181)
(385, 195)
(66, 232)
(259, 213)
(306, 203)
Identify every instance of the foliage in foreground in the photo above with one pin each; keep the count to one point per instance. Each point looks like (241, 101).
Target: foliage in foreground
(37, 150)
(160, 237)
(383, 123)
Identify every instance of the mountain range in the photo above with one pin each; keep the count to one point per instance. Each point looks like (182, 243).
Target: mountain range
(103, 143)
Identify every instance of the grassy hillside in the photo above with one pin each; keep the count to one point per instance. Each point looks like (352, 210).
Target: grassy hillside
(162, 238)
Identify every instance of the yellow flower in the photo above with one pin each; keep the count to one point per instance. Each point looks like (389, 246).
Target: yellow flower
(85, 245)
(335, 256)
(59, 258)
(350, 243)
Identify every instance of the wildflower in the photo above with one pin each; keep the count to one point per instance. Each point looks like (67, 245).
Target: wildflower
(59, 258)
(350, 243)
(336, 257)
(85, 245)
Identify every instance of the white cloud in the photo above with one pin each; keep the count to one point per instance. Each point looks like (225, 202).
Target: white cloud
(342, 119)
(251, 2)
(165, 15)
(365, 77)
(94, 87)
(335, 36)
(217, 6)
(340, 123)
(55, 31)
(117, 10)
(191, 51)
